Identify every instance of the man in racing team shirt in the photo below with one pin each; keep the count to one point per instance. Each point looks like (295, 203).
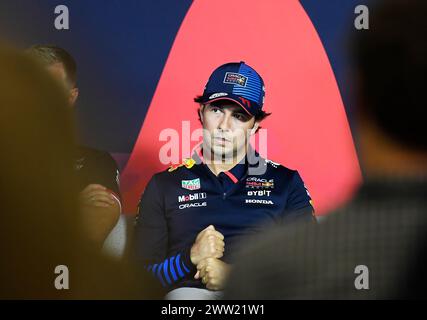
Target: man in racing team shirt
(225, 192)
(97, 172)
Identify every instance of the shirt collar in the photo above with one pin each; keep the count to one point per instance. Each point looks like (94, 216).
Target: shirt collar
(237, 172)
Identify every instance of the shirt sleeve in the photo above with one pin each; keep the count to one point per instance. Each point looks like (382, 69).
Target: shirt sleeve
(151, 241)
(109, 175)
(299, 203)
(98, 167)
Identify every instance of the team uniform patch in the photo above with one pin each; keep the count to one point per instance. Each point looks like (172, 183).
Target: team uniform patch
(191, 184)
(259, 201)
(260, 193)
(254, 182)
(235, 78)
(191, 197)
(188, 163)
(193, 205)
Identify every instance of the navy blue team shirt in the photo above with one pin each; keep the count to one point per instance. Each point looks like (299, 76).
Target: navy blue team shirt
(182, 201)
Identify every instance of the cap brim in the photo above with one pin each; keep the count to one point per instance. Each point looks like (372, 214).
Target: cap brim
(229, 98)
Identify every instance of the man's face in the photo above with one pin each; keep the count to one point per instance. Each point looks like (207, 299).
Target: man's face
(57, 71)
(227, 128)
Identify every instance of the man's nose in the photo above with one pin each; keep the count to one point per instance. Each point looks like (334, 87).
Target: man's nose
(225, 122)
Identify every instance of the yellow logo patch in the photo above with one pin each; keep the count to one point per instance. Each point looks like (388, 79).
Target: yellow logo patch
(188, 163)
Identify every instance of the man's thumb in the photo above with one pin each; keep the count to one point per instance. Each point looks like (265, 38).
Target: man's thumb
(197, 275)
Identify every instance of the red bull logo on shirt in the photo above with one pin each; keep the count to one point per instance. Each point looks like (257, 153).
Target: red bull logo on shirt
(188, 163)
(254, 182)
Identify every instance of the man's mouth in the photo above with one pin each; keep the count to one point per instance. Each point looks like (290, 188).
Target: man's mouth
(221, 140)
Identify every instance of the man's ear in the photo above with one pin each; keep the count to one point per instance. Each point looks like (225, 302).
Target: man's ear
(255, 128)
(74, 94)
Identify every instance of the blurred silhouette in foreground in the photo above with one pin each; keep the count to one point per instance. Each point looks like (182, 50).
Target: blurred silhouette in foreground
(96, 171)
(374, 247)
(40, 227)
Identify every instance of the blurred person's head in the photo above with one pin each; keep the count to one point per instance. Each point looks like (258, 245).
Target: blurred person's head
(391, 66)
(37, 207)
(40, 226)
(61, 65)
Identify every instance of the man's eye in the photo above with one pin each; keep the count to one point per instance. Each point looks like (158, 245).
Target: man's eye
(239, 116)
(215, 110)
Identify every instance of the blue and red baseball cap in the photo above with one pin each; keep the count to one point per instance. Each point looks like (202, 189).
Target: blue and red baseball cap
(237, 82)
